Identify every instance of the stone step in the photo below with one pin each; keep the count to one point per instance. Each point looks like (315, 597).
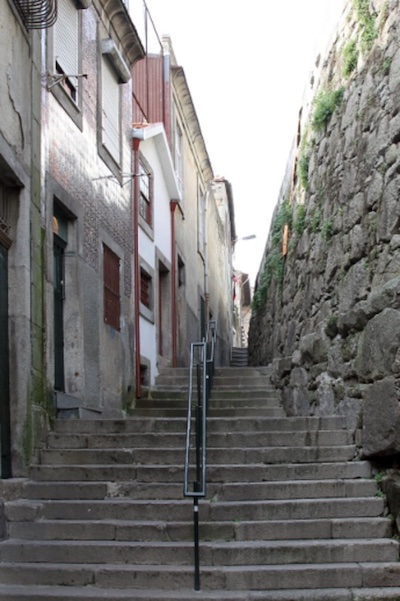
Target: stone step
(214, 439)
(244, 424)
(89, 593)
(135, 530)
(180, 510)
(215, 473)
(227, 491)
(265, 402)
(228, 578)
(212, 412)
(215, 455)
(236, 553)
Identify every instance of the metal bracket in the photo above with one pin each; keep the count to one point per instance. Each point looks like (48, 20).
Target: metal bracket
(54, 78)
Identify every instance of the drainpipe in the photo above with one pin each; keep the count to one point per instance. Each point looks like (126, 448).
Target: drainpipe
(173, 205)
(206, 292)
(166, 100)
(136, 266)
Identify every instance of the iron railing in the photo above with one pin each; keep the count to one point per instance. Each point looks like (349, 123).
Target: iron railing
(37, 14)
(202, 362)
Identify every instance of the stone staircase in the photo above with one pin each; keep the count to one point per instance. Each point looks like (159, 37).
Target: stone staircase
(290, 514)
(240, 356)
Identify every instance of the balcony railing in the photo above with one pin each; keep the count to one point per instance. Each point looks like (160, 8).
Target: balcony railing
(37, 14)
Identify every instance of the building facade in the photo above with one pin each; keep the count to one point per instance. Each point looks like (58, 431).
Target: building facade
(113, 250)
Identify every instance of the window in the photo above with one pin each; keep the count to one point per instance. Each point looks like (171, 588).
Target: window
(112, 299)
(146, 193)
(145, 289)
(66, 46)
(178, 156)
(110, 110)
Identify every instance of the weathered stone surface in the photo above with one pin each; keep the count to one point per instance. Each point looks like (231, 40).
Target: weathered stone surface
(378, 346)
(389, 214)
(342, 284)
(351, 408)
(313, 348)
(324, 395)
(381, 428)
(354, 287)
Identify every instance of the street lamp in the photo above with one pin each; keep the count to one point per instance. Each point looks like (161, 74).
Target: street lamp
(250, 237)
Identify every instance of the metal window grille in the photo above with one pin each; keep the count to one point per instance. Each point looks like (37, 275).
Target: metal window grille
(112, 299)
(145, 289)
(4, 210)
(37, 14)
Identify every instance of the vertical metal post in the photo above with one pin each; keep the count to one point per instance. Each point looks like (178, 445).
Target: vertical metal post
(196, 544)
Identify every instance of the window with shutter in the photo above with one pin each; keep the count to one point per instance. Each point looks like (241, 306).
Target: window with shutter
(66, 45)
(110, 110)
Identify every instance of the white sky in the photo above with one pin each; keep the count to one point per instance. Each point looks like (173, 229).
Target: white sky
(247, 64)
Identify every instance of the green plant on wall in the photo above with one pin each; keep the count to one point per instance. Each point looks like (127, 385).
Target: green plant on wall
(350, 57)
(274, 264)
(315, 220)
(327, 229)
(386, 65)
(325, 104)
(367, 21)
(300, 220)
(303, 168)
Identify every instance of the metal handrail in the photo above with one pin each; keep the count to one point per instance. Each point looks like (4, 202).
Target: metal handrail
(202, 361)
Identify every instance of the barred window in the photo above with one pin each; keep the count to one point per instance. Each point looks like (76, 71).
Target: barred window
(145, 289)
(112, 299)
(4, 210)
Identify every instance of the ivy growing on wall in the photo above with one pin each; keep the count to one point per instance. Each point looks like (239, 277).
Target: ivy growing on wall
(367, 21)
(325, 104)
(350, 57)
(274, 264)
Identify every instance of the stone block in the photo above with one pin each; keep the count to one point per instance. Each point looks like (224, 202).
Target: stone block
(379, 344)
(381, 419)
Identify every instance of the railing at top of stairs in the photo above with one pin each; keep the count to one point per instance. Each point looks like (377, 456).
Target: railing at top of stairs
(201, 374)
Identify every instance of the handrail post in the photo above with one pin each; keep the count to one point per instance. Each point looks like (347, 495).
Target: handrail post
(203, 383)
(196, 544)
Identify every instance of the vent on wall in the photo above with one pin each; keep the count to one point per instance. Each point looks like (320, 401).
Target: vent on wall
(37, 14)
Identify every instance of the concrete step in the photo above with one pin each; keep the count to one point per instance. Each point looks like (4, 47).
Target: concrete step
(236, 553)
(136, 530)
(215, 403)
(237, 491)
(215, 473)
(180, 510)
(212, 412)
(214, 439)
(232, 578)
(224, 424)
(215, 456)
(21, 593)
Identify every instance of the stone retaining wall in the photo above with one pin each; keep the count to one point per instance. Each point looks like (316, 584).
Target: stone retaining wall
(327, 314)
